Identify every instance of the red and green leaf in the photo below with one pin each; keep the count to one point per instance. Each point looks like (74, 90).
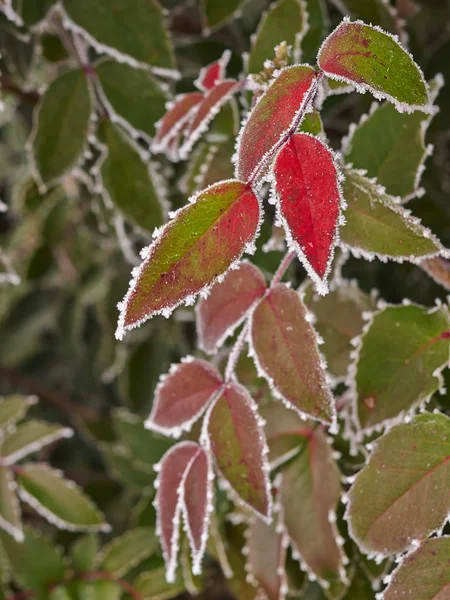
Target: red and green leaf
(278, 113)
(284, 347)
(192, 251)
(314, 478)
(227, 305)
(307, 186)
(213, 73)
(373, 60)
(180, 112)
(234, 432)
(401, 495)
(182, 395)
(212, 102)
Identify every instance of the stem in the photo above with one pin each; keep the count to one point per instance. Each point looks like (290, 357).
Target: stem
(236, 352)
(284, 265)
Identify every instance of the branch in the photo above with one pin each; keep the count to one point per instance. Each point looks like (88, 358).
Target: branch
(7, 85)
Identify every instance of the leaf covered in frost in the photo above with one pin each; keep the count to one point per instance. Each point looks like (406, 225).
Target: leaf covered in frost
(10, 519)
(196, 247)
(180, 111)
(182, 395)
(30, 437)
(213, 73)
(227, 304)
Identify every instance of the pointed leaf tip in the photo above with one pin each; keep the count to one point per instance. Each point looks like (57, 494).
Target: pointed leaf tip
(235, 435)
(213, 73)
(182, 396)
(373, 60)
(307, 185)
(195, 248)
(286, 352)
(227, 304)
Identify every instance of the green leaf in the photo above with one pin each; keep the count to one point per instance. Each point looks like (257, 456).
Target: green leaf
(142, 444)
(339, 319)
(134, 28)
(401, 494)
(14, 408)
(57, 499)
(30, 437)
(360, 587)
(377, 225)
(125, 469)
(284, 21)
(10, 519)
(84, 551)
(133, 94)
(152, 585)
(424, 574)
(34, 11)
(129, 550)
(61, 124)
(372, 60)
(317, 29)
(129, 181)
(197, 246)
(399, 360)
(207, 164)
(377, 12)
(37, 562)
(102, 590)
(216, 14)
(312, 123)
(377, 144)
(314, 477)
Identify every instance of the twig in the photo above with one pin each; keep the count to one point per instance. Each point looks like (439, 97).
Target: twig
(284, 265)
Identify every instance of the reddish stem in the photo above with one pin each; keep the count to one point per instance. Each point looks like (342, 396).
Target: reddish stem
(284, 265)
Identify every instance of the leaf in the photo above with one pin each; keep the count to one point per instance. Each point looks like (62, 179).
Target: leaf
(128, 551)
(14, 408)
(400, 495)
(34, 11)
(309, 198)
(180, 111)
(125, 469)
(129, 181)
(10, 519)
(30, 437)
(84, 551)
(102, 590)
(216, 14)
(339, 319)
(377, 12)
(384, 157)
(197, 506)
(152, 585)
(284, 348)
(57, 499)
(423, 574)
(208, 163)
(284, 21)
(314, 477)
(276, 115)
(360, 587)
(317, 28)
(170, 499)
(214, 99)
(266, 558)
(133, 94)
(213, 73)
(195, 248)
(61, 123)
(373, 60)
(103, 24)
(312, 124)
(143, 445)
(400, 357)
(377, 225)
(227, 305)
(182, 396)
(37, 562)
(233, 431)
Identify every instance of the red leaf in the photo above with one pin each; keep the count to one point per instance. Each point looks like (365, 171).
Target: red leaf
(192, 251)
(212, 74)
(173, 467)
(285, 350)
(266, 558)
(307, 185)
(234, 432)
(182, 396)
(227, 304)
(177, 116)
(278, 113)
(197, 506)
(214, 99)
